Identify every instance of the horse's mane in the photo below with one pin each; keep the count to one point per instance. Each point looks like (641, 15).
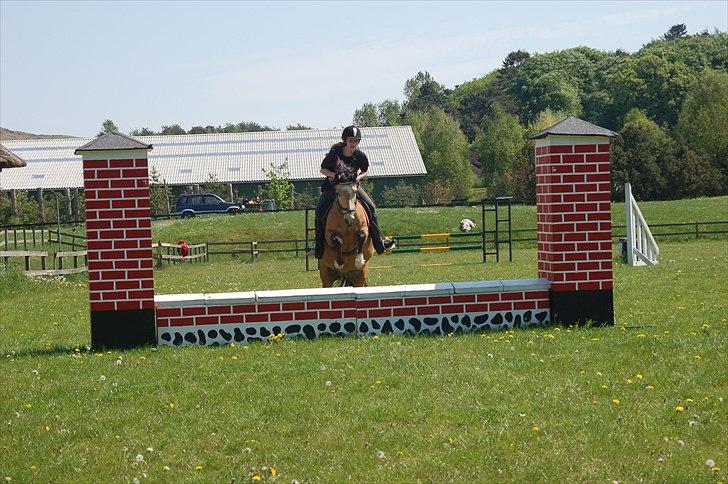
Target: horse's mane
(345, 173)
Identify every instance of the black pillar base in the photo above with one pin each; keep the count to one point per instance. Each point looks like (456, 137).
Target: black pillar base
(594, 308)
(123, 329)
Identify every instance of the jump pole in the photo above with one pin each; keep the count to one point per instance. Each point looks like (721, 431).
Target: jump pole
(574, 264)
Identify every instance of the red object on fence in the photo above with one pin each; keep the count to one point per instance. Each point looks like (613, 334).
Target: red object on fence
(184, 249)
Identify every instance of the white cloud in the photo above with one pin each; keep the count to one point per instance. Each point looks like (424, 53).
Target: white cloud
(302, 79)
(622, 19)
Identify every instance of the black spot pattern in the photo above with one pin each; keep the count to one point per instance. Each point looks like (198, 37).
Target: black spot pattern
(430, 325)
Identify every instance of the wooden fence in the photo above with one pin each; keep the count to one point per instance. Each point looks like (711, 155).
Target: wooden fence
(171, 253)
(58, 257)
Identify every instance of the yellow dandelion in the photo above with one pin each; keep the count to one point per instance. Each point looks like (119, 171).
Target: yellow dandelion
(715, 469)
(375, 337)
(256, 477)
(378, 382)
(47, 428)
(599, 373)
(535, 429)
(639, 376)
(198, 468)
(629, 382)
(28, 405)
(615, 401)
(688, 400)
(273, 471)
(172, 405)
(698, 357)
(605, 387)
(679, 408)
(234, 357)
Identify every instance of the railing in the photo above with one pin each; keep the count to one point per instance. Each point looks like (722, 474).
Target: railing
(641, 246)
(171, 253)
(27, 236)
(58, 269)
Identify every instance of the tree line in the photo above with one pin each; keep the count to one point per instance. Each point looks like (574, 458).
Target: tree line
(668, 101)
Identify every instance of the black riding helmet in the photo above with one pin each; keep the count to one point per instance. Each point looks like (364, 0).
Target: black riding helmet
(351, 132)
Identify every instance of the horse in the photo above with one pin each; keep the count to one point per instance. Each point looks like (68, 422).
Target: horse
(347, 244)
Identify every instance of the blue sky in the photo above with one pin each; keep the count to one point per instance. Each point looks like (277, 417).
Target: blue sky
(65, 67)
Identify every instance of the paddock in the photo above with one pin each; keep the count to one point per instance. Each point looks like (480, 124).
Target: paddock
(574, 264)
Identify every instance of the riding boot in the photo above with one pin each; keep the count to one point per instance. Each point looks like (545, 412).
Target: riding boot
(376, 235)
(322, 209)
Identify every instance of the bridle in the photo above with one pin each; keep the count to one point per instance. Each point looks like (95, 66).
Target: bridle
(339, 207)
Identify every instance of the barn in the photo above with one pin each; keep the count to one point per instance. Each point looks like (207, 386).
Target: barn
(239, 160)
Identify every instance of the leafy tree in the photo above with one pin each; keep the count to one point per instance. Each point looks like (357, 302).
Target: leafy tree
(366, 115)
(639, 155)
(389, 113)
(423, 92)
(213, 185)
(401, 195)
(498, 145)
(675, 32)
(174, 129)
(653, 84)
(386, 113)
(278, 187)
(444, 149)
(704, 117)
(159, 196)
(108, 126)
(296, 127)
(142, 132)
(199, 130)
(437, 193)
(515, 59)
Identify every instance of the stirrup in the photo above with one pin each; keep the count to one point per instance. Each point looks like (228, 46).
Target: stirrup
(389, 244)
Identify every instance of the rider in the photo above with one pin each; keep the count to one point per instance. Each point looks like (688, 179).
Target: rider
(346, 152)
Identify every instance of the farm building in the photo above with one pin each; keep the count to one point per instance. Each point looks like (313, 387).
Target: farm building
(240, 160)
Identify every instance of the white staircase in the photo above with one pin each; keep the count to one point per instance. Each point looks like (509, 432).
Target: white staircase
(641, 246)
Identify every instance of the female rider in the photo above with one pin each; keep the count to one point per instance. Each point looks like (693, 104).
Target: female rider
(347, 151)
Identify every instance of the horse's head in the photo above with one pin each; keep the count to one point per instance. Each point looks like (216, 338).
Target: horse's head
(346, 190)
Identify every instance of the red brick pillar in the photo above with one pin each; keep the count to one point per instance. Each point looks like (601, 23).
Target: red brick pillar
(573, 205)
(119, 242)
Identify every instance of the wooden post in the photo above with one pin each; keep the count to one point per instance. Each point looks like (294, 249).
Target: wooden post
(39, 197)
(13, 202)
(68, 202)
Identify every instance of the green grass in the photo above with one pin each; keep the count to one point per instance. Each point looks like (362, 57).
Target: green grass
(525, 405)
(516, 406)
(410, 221)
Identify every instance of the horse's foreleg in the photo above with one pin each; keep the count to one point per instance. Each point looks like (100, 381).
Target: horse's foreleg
(338, 243)
(361, 238)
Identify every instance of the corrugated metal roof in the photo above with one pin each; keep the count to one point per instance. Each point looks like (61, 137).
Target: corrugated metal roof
(231, 157)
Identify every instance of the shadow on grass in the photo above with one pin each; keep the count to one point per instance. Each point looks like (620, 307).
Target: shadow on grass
(48, 351)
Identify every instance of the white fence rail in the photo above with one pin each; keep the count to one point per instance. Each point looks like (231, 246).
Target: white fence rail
(641, 246)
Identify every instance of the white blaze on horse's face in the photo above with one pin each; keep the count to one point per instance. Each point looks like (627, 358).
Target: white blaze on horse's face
(346, 201)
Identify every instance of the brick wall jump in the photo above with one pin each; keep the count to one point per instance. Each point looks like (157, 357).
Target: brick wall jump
(204, 319)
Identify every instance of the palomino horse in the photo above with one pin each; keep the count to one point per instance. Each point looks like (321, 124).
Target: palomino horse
(347, 246)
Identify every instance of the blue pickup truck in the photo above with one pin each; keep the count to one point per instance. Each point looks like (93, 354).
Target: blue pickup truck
(191, 204)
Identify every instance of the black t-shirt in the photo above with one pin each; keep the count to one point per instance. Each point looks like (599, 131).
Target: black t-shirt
(357, 161)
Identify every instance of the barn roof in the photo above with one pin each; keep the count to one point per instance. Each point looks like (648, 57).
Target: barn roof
(231, 157)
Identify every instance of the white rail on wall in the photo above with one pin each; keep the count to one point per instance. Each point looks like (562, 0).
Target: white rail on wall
(641, 246)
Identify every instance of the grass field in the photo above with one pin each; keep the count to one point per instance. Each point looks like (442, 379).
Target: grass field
(645, 400)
